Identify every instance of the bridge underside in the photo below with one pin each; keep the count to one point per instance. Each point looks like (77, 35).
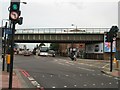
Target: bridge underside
(59, 38)
(54, 41)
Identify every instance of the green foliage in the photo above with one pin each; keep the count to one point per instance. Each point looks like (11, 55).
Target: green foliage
(54, 46)
(41, 44)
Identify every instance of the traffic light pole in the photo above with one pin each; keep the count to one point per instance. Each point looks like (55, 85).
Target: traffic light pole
(3, 67)
(12, 54)
(111, 62)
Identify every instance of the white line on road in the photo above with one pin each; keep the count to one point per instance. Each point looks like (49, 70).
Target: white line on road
(65, 86)
(75, 85)
(99, 74)
(105, 65)
(70, 63)
(80, 74)
(51, 75)
(102, 83)
(85, 69)
(53, 87)
(117, 82)
(31, 78)
(93, 84)
(43, 76)
(116, 78)
(66, 75)
(85, 85)
(61, 63)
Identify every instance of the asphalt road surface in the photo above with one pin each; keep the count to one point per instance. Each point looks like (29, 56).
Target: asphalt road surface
(61, 72)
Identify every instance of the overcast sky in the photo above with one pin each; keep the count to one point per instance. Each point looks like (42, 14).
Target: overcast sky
(63, 13)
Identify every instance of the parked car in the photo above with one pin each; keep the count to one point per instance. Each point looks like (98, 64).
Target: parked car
(51, 53)
(27, 52)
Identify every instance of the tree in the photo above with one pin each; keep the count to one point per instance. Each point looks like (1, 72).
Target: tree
(41, 44)
(54, 46)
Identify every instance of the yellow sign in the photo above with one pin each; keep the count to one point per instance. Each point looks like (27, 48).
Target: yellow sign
(8, 59)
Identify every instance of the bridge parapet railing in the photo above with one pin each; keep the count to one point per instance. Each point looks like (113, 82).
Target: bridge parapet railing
(61, 30)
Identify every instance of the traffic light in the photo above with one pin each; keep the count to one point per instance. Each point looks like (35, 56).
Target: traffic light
(113, 31)
(14, 10)
(108, 37)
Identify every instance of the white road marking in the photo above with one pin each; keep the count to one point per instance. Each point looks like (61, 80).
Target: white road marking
(75, 85)
(38, 86)
(55, 60)
(90, 65)
(110, 76)
(43, 76)
(102, 83)
(65, 86)
(99, 74)
(53, 87)
(105, 65)
(35, 83)
(85, 85)
(61, 63)
(66, 75)
(31, 78)
(85, 69)
(116, 78)
(117, 82)
(71, 63)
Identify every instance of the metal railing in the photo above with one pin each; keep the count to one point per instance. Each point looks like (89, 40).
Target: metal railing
(62, 30)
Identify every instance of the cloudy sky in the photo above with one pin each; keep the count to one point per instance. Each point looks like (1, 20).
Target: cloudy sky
(63, 13)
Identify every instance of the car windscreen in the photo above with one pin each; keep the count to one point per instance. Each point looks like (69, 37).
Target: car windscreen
(44, 49)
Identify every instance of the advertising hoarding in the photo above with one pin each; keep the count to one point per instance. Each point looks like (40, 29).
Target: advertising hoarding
(107, 46)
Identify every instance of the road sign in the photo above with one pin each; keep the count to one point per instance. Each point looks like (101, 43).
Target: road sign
(8, 31)
(14, 15)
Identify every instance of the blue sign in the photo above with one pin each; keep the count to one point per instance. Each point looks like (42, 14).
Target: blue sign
(8, 31)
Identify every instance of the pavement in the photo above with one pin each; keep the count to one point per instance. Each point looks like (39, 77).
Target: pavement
(115, 71)
(16, 81)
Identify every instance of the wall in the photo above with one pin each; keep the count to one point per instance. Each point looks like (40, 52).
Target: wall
(94, 51)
